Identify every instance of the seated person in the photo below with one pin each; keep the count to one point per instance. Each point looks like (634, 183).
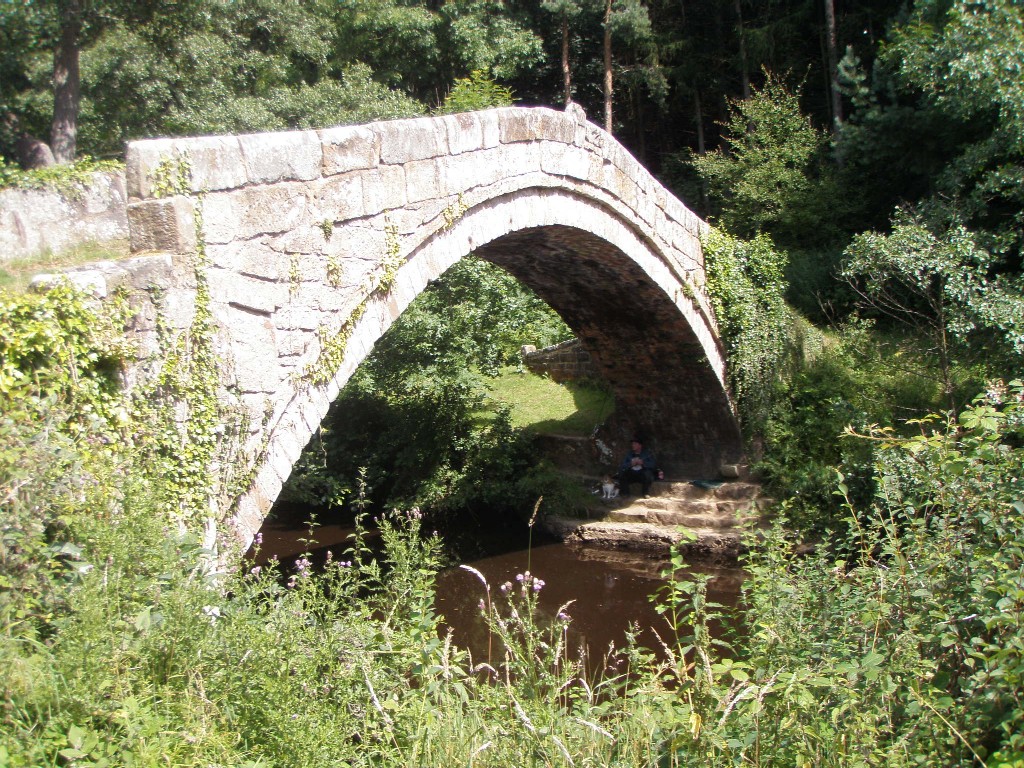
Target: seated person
(637, 467)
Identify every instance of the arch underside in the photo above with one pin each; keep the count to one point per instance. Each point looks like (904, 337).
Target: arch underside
(665, 387)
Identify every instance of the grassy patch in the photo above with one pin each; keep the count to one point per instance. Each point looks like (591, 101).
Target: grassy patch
(549, 408)
(16, 274)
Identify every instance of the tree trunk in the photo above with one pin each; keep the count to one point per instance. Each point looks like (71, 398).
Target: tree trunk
(744, 72)
(698, 117)
(566, 73)
(833, 64)
(608, 66)
(66, 86)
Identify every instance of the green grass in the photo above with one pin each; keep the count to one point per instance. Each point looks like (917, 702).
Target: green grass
(549, 408)
(16, 274)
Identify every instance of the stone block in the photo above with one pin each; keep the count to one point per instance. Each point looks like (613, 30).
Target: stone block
(288, 439)
(216, 163)
(464, 132)
(249, 293)
(349, 148)
(465, 172)
(556, 126)
(273, 157)
(271, 477)
(341, 197)
(565, 160)
(490, 128)
(91, 281)
(292, 343)
(162, 225)
(383, 189)
(247, 521)
(254, 211)
(422, 180)
(402, 141)
(141, 160)
(534, 124)
(291, 317)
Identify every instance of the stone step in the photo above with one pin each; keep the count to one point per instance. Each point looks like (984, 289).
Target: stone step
(707, 543)
(682, 489)
(708, 506)
(706, 522)
(677, 518)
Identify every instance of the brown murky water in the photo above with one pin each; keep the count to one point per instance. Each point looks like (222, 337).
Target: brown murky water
(608, 590)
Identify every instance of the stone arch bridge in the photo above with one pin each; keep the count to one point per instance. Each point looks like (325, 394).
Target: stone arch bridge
(303, 247)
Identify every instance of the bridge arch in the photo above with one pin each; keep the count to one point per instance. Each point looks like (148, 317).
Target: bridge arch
(312, 243)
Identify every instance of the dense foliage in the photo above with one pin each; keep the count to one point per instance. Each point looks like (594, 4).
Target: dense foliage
(415, 421)
(900, 643)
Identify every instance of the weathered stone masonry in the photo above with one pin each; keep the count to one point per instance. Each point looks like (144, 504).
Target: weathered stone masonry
(301, 230)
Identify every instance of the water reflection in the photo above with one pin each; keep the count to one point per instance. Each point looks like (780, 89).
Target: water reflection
(608, 591)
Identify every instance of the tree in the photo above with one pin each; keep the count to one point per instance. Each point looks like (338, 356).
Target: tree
(475, 92)
(940, 120)
(565, 11)
(66, 85)
(772, 177)
(628, 21)
(938, 285)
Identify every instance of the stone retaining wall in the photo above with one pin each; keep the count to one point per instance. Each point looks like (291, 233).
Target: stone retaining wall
(40, 221)
(565, 361)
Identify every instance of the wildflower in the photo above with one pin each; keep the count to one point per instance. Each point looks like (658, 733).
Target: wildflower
(482, 606)
(258, 540)
(213, 612)
(538, 584)
(302, 566)
(506, 587)
(256, 570)
(563, 616)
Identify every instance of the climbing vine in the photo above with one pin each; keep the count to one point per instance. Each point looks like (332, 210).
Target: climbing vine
(294, 274)
(172, 176)
(452, 213)
(194, 435)
(391, 262)
(335, 271)
(334, 343)
(746, 287)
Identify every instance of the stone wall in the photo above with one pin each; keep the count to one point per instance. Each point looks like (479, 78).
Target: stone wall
(39, 221)
(566, 361)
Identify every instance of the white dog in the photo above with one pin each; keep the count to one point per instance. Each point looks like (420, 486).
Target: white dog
(609, 490)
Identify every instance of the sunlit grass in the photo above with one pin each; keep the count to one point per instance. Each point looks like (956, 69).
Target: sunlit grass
(546, 407)
(16, 274)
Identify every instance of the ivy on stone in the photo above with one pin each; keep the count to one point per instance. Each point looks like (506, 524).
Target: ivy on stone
(746, 285)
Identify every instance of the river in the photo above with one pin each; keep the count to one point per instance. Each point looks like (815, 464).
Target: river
(607, 591)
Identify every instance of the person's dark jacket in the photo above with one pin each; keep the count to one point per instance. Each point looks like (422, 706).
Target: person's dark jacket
(645, 455)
